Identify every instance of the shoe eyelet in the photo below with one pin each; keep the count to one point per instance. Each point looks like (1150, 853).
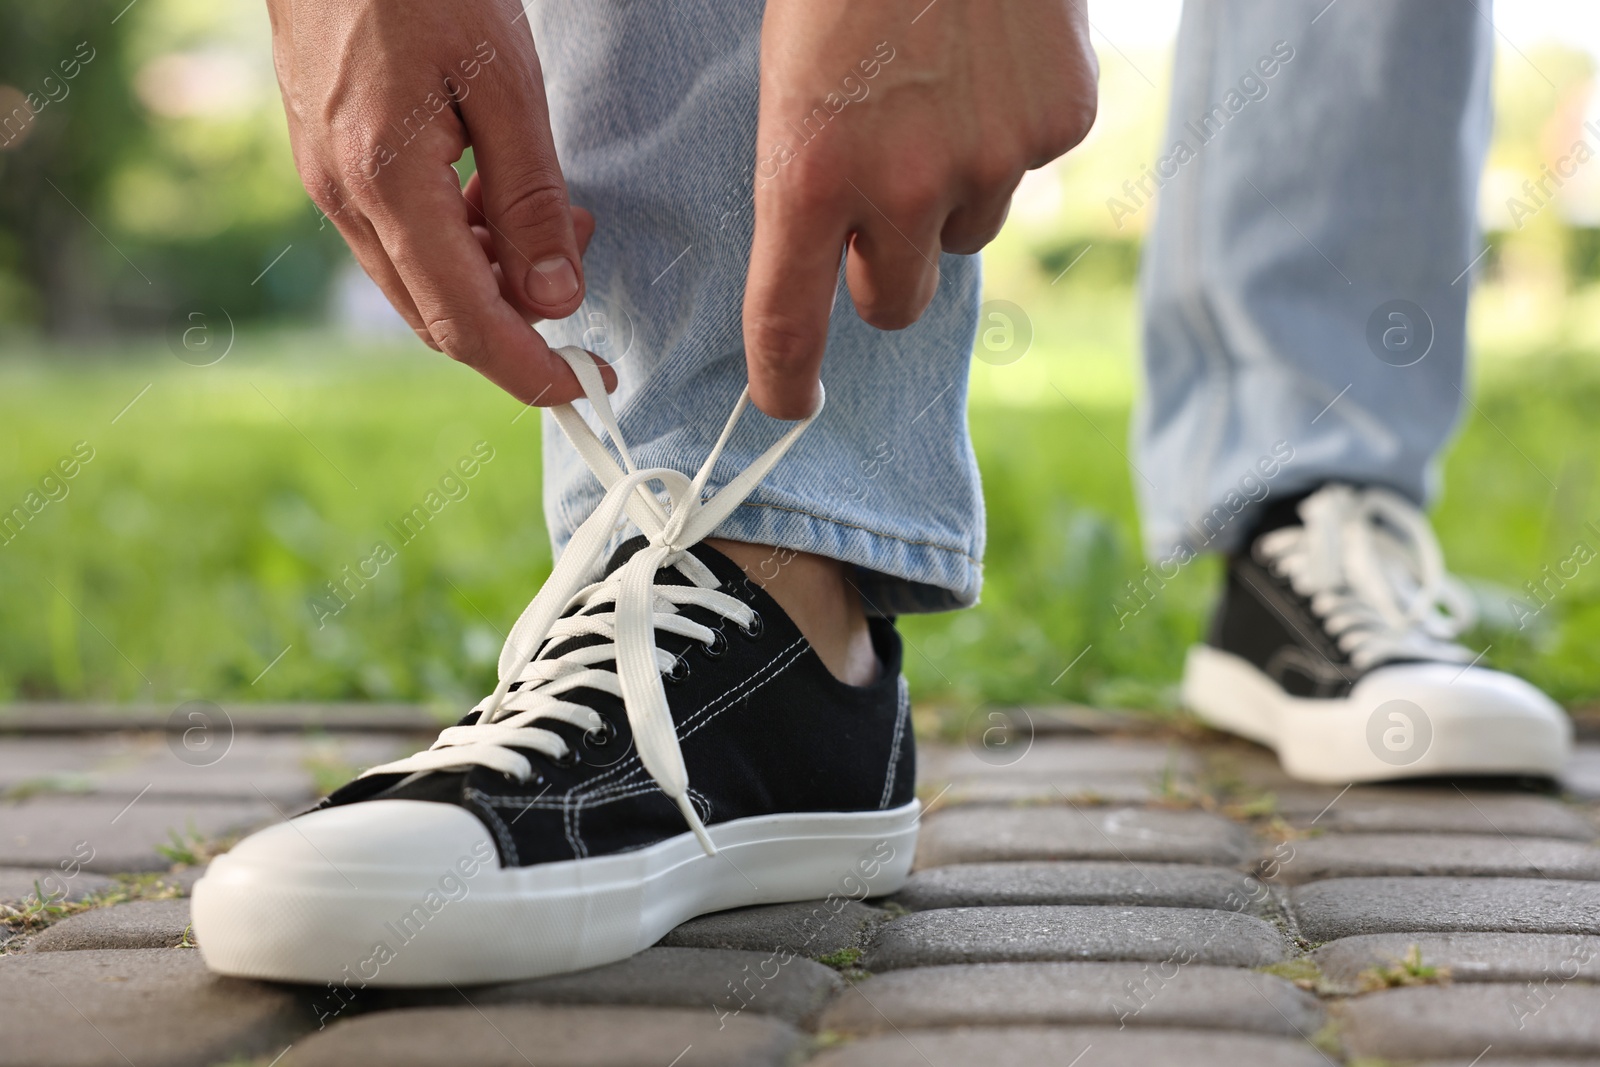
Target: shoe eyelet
(569, 760)
(755, 628)
(601, 735)
(679, 671)
(717, 646)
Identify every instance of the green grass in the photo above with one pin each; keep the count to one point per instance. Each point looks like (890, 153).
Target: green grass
(185, 557)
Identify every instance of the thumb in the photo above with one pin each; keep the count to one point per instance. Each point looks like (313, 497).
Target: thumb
(524, 196)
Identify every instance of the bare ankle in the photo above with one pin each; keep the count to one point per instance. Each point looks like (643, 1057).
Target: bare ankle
(817, 594)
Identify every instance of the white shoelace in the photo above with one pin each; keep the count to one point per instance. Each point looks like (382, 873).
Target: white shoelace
(1372, 569)
(640, 608)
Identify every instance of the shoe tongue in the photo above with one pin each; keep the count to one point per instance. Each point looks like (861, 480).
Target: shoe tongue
(724, 568)
(626, 551)
(1285, 511)
(632, 547)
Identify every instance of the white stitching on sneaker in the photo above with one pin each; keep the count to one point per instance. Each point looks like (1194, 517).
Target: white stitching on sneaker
(595, 797)
(631, 766)
(502, 832)
(640, 607)
(598, 793)
(630, 763)
(901, 716)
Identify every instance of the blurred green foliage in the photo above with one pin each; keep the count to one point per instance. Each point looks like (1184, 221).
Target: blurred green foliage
(185, 558)
(156, 177)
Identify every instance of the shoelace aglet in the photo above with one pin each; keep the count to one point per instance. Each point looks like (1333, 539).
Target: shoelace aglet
(692, 817)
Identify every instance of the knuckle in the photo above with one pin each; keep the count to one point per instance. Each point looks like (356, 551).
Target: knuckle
(967, 242)
(812, 190)
(781, 343)
(354, 175)
(460, 340)
(914, 198)
(996, 172)
(968, 232)
(322, 189)
(536, 200)
(1070, 124)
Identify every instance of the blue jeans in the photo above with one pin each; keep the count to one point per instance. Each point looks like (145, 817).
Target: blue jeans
(1315, 202)
(653, 106)
(1349, 184)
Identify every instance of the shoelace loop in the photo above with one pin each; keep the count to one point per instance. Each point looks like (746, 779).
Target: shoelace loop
(640, 608)
(1370, 565)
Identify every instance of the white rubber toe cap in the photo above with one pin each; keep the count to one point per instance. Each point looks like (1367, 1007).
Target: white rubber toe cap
(1405, 720)
(1438, 718)
(374, 835)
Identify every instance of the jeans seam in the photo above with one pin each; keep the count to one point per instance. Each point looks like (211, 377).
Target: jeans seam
(865, 529)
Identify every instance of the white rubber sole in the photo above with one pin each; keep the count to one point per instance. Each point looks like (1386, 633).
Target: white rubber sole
(1402, 721)
(322, 898)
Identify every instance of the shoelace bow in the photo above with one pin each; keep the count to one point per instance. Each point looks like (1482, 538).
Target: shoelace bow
(1370, 565)
(640, 607)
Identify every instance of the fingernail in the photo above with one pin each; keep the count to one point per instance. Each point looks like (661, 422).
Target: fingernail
(553, 282)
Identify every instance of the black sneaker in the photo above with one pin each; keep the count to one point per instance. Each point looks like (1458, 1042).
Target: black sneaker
(1333, 645)
(664, 743)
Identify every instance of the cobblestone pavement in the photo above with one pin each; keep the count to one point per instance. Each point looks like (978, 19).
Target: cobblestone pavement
(1102, 891)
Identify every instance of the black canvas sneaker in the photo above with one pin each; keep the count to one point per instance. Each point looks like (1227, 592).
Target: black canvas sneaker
(663, 743)
(1333, 645)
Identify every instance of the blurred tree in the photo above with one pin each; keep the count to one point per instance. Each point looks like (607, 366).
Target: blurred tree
(145, 169)
(67, 119)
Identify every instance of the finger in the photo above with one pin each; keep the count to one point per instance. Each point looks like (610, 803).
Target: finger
(524, 197)
(788, 297)
(893, 273)
(421, 218)
(363, 241)
(583, 224)
(485, 241)
(971, 227)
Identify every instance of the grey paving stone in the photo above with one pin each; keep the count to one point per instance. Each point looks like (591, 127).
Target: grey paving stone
(1230, 760)
(243, 765)
(1463, 1020)
(65, 718)
(1470, 957)
(1062, 1046)
(1465, 855)
(1431, 810)
(117, 833)
(517, 1035)
(1069, 932)
(1056, 757)
(1066, 994)
(184, 878)
(1341, 907)
(29, 763)
(1038, 789)
(137, 924)
(808, 928)
(26, 883)
(1078, 720)
(1047, 768)
(1063, 832)
(143, 1006)
(1490, 1059)
(722, 982)
(1582, 774)
(1172, 885)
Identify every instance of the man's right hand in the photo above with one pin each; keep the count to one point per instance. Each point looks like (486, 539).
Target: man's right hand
(383, 96)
